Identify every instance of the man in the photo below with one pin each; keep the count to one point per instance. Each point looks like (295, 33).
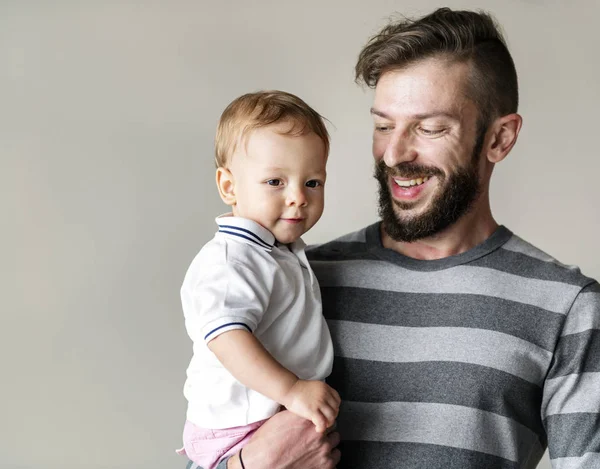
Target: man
(458, 345)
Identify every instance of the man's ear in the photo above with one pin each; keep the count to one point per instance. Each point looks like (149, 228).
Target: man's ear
(226, 185)
(504, 133)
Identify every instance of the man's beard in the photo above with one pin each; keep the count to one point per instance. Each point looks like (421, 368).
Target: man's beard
(459, 190)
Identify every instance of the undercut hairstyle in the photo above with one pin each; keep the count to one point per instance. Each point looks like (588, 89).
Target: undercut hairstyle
(255, 110)
(462, 36)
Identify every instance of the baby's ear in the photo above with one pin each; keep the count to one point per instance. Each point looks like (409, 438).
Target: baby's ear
(226, 185)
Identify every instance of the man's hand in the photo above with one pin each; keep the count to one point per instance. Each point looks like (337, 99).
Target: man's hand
(287, 441)
(315, 401)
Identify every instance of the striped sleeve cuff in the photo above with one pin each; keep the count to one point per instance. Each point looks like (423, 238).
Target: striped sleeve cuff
(226, 324)
(571, 401)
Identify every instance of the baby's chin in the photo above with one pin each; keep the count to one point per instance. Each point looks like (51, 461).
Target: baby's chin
(285, 240)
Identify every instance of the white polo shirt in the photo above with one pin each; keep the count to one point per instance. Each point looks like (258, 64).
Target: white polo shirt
(242, 279)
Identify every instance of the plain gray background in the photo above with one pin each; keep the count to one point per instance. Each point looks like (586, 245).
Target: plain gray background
(107, 116)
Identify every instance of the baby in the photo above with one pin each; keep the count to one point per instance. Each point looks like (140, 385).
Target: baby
(251, 301)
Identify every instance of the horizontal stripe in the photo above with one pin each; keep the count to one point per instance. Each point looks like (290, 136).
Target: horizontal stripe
(572, 393)
(240, 235)
(519, 264)
(453, 383)
(231, 325)
(573, 435)
(402, 344)
(577, 353)
(251, 233)
(438, 424)
(526, 322)
(517, 244)
(553, 296)
(395, 455)
(338, 252)
(584, 314)
(587, 461)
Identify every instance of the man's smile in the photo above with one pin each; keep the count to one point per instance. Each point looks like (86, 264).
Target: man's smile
(408, 189)
(411, 182)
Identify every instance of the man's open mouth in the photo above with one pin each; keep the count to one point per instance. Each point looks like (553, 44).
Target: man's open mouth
(411, 182)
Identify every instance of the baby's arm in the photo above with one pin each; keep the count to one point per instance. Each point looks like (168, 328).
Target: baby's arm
(253, 366)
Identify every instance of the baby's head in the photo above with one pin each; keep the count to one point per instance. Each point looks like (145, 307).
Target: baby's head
(271, 152)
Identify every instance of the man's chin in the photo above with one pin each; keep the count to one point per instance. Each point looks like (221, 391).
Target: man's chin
(409, 210)
(408, 224)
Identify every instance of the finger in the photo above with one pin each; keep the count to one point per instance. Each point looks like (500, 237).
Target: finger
(331, 428)
(329, 413)
(333, 439)
(336, 455)
(320, 422)
(333, 403)
(333, 397)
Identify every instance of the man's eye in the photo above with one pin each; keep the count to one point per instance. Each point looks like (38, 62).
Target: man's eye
(274, 182)
(431, 132)
(383, 128)
(312, 183)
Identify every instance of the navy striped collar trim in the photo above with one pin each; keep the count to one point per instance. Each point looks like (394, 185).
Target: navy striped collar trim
(245, 230)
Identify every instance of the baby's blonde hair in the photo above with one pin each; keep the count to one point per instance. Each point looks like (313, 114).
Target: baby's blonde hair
(255, 110)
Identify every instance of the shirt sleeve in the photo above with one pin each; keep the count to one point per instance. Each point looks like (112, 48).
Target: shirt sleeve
(571, 396)
(221, 298)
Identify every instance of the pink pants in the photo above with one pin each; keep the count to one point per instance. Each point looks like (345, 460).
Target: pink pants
(207, 447)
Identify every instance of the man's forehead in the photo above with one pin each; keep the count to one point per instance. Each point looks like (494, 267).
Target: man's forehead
(426, 89)
(430, 114)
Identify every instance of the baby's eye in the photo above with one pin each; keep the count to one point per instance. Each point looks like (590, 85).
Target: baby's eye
(312, 183)
(274, 182)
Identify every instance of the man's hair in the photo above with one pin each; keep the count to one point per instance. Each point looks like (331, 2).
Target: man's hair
(464, 36)
(255, 110)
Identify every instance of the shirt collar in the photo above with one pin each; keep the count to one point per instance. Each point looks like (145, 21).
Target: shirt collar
(246, 231)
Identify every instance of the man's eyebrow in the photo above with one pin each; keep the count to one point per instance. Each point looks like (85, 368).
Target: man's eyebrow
(427, 115)
(380, 114)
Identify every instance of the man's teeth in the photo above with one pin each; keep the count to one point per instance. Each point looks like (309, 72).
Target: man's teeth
(412, 182)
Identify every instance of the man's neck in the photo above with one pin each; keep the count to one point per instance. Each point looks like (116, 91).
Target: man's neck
(471, 230)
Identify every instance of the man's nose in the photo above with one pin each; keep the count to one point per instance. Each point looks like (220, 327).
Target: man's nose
(296, 196)
(399, 149)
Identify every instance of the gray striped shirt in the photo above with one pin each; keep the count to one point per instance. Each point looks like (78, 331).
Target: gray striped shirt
(480, 360)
